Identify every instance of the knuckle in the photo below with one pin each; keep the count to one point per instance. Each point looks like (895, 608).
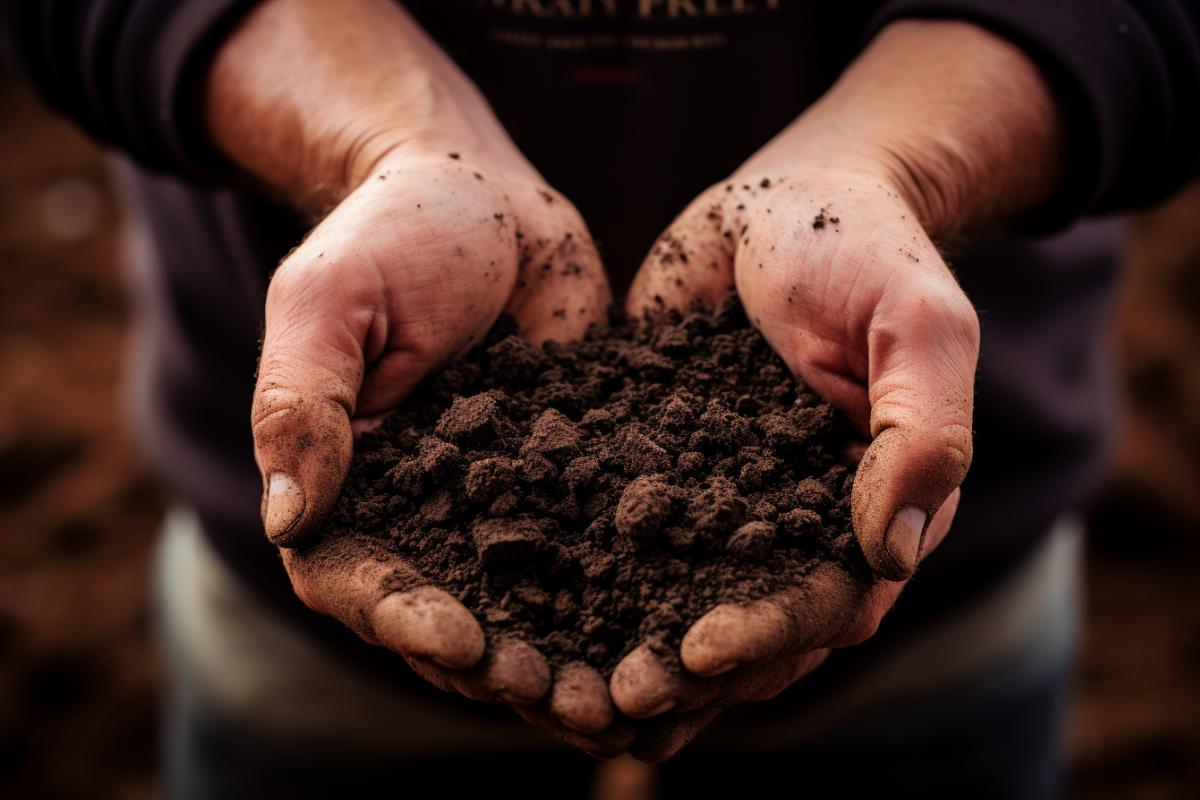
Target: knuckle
(564, 212)
(293, 276)
(956, 438)
(273, 408)
(934, 305)
(953, 312)
(957, 444)
(711, 208)
(962, 319)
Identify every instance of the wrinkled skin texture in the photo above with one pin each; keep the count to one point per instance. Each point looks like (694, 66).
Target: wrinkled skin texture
(832, 300)
(836, 272)
(412, 267)
(410, 270)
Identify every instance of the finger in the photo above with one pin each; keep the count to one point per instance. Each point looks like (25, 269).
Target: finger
(876, 306)
(302, 443)
(318, 317)
(939, 526)
(562, 287)
(331, 309)
(608, 743)
(802, 618)
(385, 602)
(883, 594)
(512, 671)
(663, 737)
(363, 425)
(692, 261)
(732, 635)
(796, 667)
(647, 687)
(580, 700)
(434, 674)
(427, 622)
(309, 377)
(923, 345)
(643, 685)
(345, 587)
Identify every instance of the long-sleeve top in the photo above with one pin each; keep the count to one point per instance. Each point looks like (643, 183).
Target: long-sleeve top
(631, 108)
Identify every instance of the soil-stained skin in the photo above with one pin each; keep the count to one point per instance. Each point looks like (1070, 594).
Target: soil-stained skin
(590, 496)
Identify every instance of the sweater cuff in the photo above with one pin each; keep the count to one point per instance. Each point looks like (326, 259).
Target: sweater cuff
(1122, 78)
(130, 72)
(162, 56)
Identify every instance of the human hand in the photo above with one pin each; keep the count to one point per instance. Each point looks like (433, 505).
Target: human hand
(410, 270)
(841, 279)
(438, 226)
(939, 129)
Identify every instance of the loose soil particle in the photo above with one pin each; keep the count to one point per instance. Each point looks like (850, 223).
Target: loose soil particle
(589, 496)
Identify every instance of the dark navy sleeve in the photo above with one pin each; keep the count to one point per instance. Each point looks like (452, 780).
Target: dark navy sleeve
(128, 71)
(1126, 74)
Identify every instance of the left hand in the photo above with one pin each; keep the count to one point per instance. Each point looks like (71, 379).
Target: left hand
(938, 129)
(837, 273)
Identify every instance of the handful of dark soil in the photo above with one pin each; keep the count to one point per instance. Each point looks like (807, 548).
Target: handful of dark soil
(589, 496)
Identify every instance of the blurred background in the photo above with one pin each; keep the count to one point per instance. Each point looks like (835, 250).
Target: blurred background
(78, 676)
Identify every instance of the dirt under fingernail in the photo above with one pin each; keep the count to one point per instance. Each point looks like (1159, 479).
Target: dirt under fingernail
(589, 496)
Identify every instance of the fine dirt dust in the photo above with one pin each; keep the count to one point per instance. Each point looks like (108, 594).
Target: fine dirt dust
(78, 700)
(590, 496)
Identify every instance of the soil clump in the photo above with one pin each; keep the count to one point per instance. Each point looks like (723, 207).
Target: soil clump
(589, 496)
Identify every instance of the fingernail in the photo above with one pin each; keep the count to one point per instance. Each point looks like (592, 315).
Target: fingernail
(285, 504)
(904, 535)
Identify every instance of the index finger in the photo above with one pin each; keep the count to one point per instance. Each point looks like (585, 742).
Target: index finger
(800, 618)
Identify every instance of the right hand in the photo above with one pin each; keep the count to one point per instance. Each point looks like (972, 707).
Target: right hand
(408, 272)
(439, 225)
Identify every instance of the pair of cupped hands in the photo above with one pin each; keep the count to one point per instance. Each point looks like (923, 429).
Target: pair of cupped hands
(415, 265)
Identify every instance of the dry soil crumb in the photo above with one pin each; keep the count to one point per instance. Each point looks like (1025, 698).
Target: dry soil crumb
(587, 496)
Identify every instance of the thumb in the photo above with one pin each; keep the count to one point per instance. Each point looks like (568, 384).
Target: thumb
(922, 347)
(691, 262)
(309, 377)
(322, 320)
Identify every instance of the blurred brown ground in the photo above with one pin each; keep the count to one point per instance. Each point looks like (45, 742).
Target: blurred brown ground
(78, 676)
(1137, 731)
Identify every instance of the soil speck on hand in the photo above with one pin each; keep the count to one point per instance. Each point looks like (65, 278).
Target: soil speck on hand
(590, 496)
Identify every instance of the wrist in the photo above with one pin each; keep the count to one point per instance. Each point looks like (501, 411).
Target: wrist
(956, 121)
(935, 181)
(350, 154)
(308, 97)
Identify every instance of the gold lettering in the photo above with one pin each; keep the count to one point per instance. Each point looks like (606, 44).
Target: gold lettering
(533, 7)
(676, 7)
(645, 9)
